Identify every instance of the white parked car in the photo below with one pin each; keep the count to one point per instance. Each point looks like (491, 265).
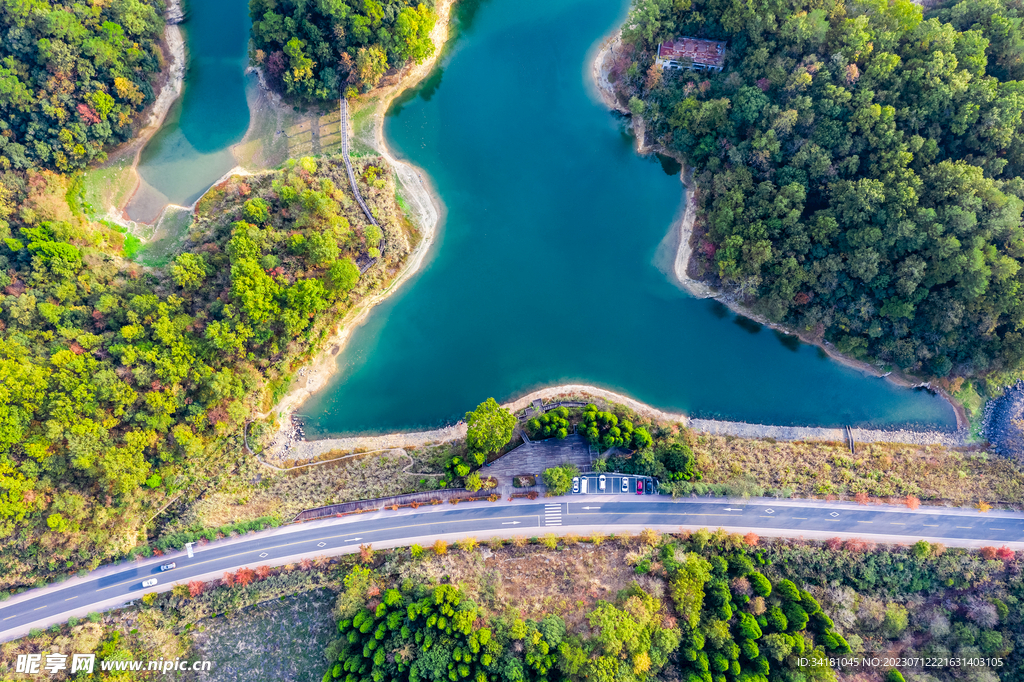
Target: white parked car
(625, 484)
(583, 485)
(601, 482)
(150, 582)
(576, 484)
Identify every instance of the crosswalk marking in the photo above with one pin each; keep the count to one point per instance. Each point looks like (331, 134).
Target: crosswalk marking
(553, 515)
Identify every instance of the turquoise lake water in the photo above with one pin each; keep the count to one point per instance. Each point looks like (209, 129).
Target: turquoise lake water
(191, 151)
(548, 270)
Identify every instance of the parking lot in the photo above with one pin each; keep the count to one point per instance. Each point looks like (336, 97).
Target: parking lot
(612, 484)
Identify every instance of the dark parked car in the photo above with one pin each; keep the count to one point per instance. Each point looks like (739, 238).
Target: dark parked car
(649, 487)
(639, 486)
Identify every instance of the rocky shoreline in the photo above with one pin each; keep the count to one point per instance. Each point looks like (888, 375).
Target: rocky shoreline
(1004, 422)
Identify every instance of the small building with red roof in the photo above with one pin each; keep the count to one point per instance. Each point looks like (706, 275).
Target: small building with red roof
(691, 53)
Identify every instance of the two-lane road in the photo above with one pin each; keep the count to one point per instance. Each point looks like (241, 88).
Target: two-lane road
(114, 585)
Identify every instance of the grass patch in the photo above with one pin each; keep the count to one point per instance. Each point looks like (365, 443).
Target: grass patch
(283, 639)
(107, 186)
(931, 472)
(974, 404)
(255, 491)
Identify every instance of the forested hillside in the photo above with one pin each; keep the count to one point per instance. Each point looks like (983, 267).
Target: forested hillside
(858, 167)
(700, 607)
(121, 386)
(321, 50)
(73, 77)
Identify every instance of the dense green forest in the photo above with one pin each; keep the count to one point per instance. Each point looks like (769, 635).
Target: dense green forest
(703, 607)
(322, 50)
(857, 167)
(123, 388)
(73, 77)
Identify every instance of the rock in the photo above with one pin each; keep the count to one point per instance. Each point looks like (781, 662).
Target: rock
(1004, 422)
(174, 13)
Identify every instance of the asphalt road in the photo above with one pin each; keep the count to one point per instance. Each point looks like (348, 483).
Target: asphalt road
(114, 585)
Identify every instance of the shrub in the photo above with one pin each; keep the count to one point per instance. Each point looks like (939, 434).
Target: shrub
(519, 541)
(440, 547)
(549, 540)
(559, 479)
(650, 537)
(761, 585)
(467, 544)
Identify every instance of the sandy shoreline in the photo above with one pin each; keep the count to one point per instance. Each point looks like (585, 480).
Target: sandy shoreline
(309, 450)
(426, 211)
(683, 230)
(174, 44)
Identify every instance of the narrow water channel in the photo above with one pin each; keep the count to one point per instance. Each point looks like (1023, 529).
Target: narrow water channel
(191, 150)
(546, 270)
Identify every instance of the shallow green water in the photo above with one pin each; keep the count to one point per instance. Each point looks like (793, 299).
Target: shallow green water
(191, 150)
(547, 268)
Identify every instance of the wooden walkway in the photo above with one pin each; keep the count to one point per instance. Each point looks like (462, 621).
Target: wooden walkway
(352, 180)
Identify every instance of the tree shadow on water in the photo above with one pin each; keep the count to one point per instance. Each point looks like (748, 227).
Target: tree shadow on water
(788, 341)
(747, 325)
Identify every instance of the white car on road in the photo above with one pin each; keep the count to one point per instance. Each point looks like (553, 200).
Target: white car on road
(150, 582)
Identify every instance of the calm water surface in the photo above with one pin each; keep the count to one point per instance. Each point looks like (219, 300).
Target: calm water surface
(546, 271)
(191, 151)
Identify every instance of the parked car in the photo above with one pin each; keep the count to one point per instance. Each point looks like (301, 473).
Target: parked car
(625, 484)
(639, 486)
(601, 482)
(583, 485)
(649, 487)
(167, 567)
(150, 582)
(576, 484)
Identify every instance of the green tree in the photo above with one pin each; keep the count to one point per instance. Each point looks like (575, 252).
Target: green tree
(559, 479)
(342, 276)
(371, 65)
(489, 428)
(189, 270)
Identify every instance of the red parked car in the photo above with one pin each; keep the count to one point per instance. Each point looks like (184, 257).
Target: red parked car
(639, 486)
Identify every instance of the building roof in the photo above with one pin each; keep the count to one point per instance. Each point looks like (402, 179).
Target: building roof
(708, 52)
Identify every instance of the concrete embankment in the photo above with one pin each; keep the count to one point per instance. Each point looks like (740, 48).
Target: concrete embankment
(285, 448)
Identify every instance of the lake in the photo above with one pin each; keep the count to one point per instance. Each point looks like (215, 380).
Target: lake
(191, 151)
(548, 269)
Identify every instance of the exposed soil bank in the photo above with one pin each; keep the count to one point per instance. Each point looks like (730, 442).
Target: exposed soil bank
(682, 230)
(424, 210)
(170, 90)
